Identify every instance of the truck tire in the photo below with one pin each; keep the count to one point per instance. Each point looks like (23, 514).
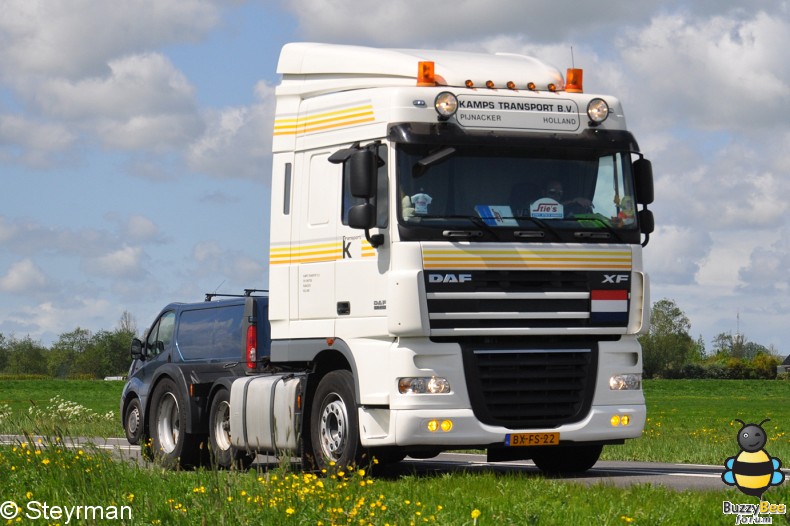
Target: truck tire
(334, 424)
(133, 421)
(172, 446)
(223, 454)
(560, 460)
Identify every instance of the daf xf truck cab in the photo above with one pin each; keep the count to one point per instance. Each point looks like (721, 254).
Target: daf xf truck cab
(455, 262)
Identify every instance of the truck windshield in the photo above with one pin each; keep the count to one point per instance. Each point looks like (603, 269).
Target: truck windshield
(496, 194)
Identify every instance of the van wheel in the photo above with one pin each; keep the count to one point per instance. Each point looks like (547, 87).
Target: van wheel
(558, 460)
(172, 446)
(133, 421)
(223, 453)
(334, 425)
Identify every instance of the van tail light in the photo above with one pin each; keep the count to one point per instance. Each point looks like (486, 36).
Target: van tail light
(252, 351)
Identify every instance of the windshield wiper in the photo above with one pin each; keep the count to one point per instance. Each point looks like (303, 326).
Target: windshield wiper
(540, 224)
(476, 220)
(610, 232)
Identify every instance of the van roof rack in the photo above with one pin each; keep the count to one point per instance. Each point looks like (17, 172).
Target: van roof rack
(247, 293)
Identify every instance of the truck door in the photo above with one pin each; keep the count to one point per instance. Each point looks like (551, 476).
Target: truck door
(317, 247)
(360, 280)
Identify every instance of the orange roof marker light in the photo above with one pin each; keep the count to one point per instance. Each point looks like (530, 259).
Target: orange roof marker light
(425, 74)
(574, 80)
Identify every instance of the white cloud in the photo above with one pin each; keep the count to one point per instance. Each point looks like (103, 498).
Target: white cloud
(144, 103)
(237, 142)
(675, 253)
(141, 229)
(230, 268)
(766, 270)
(85, 70)
(77, 38)
(723, 72)
(124, 263)
(51, 319)
(31, 238)
(24, 277)
(32, 142)
(417, 21)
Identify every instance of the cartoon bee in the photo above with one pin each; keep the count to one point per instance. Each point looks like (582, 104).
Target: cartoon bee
(752, 470)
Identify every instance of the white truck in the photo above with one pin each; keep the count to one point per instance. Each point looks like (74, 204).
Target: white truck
(455, 262)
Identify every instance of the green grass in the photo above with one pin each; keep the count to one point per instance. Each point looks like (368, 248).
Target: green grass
(67, 478)
(693, 421)
(689, 421)
(66, 407)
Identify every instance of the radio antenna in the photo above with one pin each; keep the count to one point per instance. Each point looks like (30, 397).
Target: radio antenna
(573, 62)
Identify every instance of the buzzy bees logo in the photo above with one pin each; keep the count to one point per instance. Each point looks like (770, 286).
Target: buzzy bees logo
(753, 471)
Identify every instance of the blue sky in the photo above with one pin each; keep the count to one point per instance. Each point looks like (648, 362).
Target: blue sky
(134, 142)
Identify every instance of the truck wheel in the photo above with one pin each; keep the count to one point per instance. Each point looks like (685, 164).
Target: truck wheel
(133, 421)
(567, 459)
(223, 453)
(334, 426)
(171, 444)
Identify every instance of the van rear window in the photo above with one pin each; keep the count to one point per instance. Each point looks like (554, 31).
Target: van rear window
(211, 334)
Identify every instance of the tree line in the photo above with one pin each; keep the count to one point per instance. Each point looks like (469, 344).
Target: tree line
(76, 354)
(669, 351)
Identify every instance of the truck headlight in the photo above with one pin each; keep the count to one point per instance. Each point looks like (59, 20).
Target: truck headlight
(446, 104)
(597, 111)
(423, 385)
(625, 382)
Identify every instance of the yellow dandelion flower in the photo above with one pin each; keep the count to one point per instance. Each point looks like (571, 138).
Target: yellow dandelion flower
(475, 513)
(290, 511)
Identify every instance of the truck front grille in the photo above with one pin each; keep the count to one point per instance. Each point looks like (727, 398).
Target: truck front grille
(524, 302)
(530, 388)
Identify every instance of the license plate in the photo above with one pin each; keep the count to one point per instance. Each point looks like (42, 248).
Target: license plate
(532, 439)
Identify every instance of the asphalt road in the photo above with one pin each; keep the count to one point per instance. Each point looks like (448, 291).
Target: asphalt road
(621, 474)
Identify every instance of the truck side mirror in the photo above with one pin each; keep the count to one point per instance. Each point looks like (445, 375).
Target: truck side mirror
(646, 221)
(136, 349)
(363, 169)
(362, 216)
(643, 176)
(646, 224)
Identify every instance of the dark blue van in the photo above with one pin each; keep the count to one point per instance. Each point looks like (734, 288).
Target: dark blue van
(176, 402)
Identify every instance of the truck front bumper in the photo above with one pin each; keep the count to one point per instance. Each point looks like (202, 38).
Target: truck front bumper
(404, 427)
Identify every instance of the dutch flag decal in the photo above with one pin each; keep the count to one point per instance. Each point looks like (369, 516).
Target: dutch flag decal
(609, 306)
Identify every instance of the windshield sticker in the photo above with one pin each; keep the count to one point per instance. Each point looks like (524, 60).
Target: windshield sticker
(496, 215)
(421, 202)
(627, 213)
(546, 208)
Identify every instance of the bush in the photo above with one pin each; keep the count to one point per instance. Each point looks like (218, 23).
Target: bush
(693, 370)
(23, 376)
(765, 365)
(716, 371)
